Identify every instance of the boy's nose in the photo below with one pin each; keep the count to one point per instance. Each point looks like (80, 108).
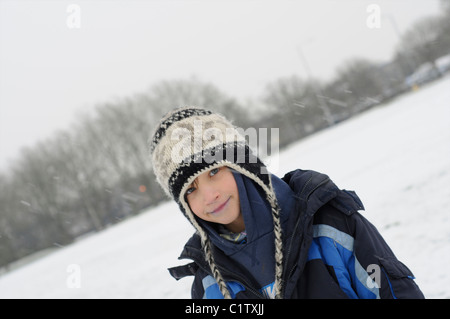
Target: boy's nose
(210, 196)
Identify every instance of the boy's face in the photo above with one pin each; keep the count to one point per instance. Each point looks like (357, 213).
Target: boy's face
(214, 197)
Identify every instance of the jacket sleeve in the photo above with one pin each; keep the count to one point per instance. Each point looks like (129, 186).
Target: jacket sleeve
(385, 272)
(366, 263)
(197, 289)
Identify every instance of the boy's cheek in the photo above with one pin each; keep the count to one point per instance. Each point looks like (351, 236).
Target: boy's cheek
(196, 209)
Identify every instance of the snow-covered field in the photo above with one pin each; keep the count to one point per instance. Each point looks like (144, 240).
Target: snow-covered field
(396, 157)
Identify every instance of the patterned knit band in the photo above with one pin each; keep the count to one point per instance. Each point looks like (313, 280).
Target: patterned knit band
(172, 118)
(227, 154)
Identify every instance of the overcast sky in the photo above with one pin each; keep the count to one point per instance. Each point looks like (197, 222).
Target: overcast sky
(53, 65)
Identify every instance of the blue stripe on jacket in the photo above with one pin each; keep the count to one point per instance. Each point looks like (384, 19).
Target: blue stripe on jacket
(335, 249)
(212, 290)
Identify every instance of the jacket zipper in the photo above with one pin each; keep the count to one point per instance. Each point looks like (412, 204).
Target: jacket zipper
(296, 227)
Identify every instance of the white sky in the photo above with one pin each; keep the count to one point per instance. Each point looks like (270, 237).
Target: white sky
(49, 72)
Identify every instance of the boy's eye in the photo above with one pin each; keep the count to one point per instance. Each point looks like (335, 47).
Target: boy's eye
(190, 190)
(213, 172)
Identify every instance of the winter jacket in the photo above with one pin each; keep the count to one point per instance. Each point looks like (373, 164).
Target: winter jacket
(330, 251)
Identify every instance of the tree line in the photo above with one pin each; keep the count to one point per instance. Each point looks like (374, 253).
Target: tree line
(98, 172)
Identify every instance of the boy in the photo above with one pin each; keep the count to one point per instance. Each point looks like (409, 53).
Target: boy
(259, 236)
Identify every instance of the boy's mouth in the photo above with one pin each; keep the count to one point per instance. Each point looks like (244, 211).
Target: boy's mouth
(221, 207)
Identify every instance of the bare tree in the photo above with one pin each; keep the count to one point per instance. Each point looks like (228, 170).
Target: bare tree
(39, 177)
(422, 43)
(295, 102)
(362, 82)
(175, 93)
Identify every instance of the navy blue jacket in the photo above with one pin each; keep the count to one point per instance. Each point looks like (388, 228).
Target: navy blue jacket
(330, 251)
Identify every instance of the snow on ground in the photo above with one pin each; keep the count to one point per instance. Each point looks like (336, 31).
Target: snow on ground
(396, 157)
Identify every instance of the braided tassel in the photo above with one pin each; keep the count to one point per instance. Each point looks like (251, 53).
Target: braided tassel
(278, 247)
(216, 273)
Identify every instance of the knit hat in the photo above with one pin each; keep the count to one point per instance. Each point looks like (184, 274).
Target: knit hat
(190, 141)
